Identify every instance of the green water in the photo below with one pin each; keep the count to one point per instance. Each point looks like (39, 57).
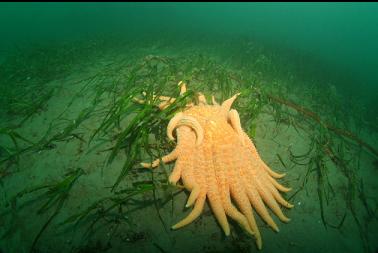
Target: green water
(68, 71)
(342, 34)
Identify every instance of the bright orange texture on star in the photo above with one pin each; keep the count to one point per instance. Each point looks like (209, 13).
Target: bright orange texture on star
(217, 161)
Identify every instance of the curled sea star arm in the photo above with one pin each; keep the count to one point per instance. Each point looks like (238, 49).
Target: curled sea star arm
(184, 120)
(184, 139)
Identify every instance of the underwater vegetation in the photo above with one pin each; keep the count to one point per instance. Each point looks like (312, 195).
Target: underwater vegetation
(74, 104)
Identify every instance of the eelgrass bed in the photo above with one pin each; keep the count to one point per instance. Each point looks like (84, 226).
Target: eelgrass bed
(72, 139)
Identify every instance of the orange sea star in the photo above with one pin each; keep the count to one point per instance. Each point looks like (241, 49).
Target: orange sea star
(217, 161)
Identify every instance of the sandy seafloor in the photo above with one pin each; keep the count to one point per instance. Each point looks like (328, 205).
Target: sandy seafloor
(145, 232)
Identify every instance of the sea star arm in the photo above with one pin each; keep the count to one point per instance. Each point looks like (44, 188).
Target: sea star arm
(184, 165)
(241, 198)
(166, 159)
(260, 207)
(201, 99)
(223, 180)
(270, 201)
(278, 185)
(216, 204)
(214, 182)
(166, 100)
(213, 100)
(226, 105)
(256, 155)
(233, 117)
(238, 188)
(183, 120)
(190, 177)
(234, 213)
(197, 210)
(182, 86)
(183, 140)
(277, 196)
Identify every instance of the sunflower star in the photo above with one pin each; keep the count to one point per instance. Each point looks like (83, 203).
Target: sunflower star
(216, 160)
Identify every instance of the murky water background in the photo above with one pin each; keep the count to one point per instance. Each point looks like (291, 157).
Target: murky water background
(68, 71)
